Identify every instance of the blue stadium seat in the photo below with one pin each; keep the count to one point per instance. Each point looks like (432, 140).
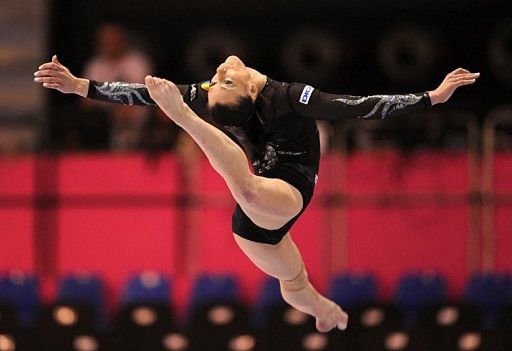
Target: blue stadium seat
(416, 291)
(270, 294)
(83, 288)
(215, 313)
(488, 291)
(146, 287)
(352, 289)
(21, 291)
(269, 298)
(145, 314)
(214, 289)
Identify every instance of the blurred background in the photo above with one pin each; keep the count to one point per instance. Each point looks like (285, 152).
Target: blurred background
(115, 231)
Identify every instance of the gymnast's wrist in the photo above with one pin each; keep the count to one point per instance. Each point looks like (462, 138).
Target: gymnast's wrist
(434, 97)
(81, 87)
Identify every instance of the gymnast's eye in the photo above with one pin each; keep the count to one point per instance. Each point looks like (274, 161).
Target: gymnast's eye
(228, 81)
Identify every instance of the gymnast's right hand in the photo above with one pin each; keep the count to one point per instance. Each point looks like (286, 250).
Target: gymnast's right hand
(54, 75)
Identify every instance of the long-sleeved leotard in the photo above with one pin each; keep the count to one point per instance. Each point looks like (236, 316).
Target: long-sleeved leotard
(307, 102)
(281, 138)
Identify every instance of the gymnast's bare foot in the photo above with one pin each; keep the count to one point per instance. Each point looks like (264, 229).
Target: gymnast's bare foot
(329, 315)
(301, 295)
(167, 96)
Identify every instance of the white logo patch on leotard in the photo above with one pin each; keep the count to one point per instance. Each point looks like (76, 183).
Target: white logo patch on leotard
(193, 92)
(306, 94)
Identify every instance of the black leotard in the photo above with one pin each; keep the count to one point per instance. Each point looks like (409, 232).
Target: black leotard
(281, 138)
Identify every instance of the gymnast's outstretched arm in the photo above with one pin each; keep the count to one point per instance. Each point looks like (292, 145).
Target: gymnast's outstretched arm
(310, 102)
(54, 75)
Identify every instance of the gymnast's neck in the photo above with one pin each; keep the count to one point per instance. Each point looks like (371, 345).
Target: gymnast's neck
(258, 78)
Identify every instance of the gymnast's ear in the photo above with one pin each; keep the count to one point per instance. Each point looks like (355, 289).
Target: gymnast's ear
(253, 91)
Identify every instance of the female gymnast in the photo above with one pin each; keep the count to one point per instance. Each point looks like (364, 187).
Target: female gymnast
(246, 115)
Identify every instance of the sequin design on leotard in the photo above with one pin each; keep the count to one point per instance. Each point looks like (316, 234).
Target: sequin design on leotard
(125, 93)
(389, 103)
(269, 158)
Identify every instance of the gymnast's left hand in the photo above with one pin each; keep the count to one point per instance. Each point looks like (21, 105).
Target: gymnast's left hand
(451, 82)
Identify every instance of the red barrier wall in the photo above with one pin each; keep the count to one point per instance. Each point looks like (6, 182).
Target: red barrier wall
(391, 173)
(16, 214)
(393, 241)
(17, 243)
(425, 227)
(117, 216)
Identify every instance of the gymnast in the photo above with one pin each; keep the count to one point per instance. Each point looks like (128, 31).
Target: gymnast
(241, 115)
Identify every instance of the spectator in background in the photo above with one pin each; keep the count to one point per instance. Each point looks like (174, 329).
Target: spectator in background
(119, 127)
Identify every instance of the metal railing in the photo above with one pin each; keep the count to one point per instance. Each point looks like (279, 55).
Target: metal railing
(499, 117)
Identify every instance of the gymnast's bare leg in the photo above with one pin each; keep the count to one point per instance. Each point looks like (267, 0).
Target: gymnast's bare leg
(269, 203)
(284, 262)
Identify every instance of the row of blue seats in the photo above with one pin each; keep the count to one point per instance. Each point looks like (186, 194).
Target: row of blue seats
(488, 291)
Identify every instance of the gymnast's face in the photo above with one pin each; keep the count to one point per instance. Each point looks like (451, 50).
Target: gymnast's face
(231, 82)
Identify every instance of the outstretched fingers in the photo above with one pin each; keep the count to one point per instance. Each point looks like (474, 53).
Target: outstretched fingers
(465, 76)
(465, 82)
(48, 79)
(51, 85)
(52, 65)
(45, 80)
(462, 76)
(50, 74)
(46, 72)
(459, 71)
(465, 79)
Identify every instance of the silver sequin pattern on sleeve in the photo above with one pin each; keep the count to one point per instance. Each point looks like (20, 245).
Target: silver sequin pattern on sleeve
(389, 103)
(125, 93)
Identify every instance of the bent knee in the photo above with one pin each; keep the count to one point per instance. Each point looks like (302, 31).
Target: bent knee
(270, 203)
(248, 191)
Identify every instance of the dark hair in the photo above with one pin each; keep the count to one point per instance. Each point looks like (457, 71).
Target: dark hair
(234, 114)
